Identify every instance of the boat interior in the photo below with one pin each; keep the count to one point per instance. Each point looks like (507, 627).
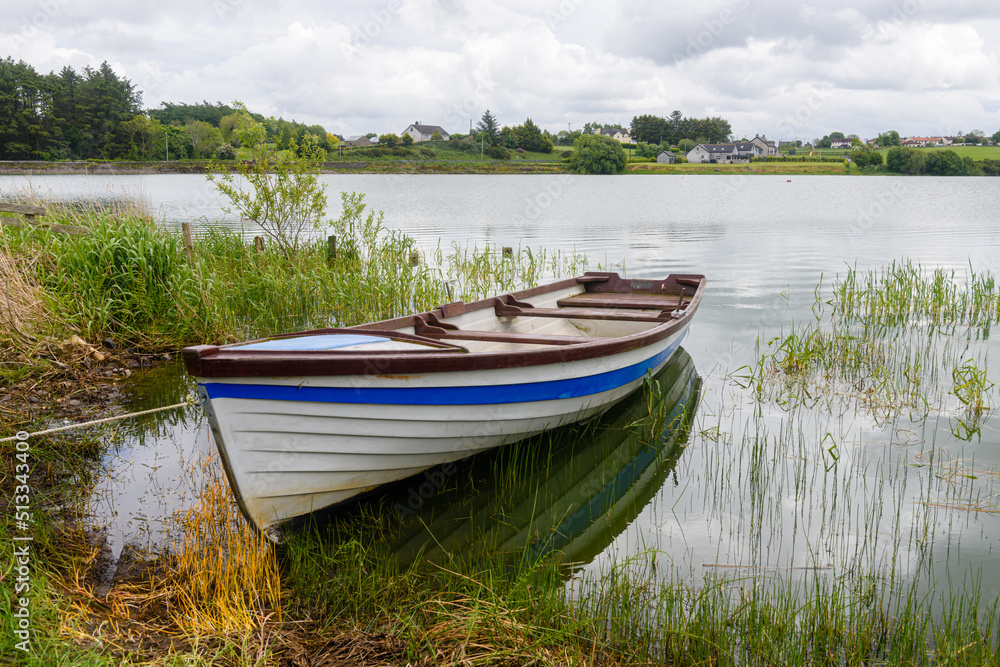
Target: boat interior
(572, 315)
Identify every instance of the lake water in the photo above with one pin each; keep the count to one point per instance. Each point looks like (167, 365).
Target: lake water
(763, 488)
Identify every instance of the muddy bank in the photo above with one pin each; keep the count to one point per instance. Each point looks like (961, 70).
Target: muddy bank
(66, 379)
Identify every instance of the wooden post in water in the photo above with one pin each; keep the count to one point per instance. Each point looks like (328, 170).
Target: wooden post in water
(508, 251)
(188, 244)
(258, 243)
(414, 258)
(331, 247)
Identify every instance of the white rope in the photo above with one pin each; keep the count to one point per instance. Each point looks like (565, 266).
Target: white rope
(24, 435)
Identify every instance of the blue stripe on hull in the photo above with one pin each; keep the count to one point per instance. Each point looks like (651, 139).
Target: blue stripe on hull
(482, 395)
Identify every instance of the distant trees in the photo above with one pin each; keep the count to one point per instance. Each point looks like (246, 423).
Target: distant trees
(904, 160)
(642, 149)
(527, 136)
(975, 137)
(657, 130)
(888, 139)
(865, 158)
(389, 140)
(489, 127)
(179, 114)
(915, 161)
(996, 137)
(65, 115)
(97, 114)
(566, 137)
(597, 154)
(204, 138)
(591, 128)
(649, 129)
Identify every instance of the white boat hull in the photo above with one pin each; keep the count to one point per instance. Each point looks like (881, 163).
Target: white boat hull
(292, 446)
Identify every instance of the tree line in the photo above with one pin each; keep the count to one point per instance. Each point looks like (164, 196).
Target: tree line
(64, 115)
(913, 161)
(647, 131)
(651, 129)
(97, 114)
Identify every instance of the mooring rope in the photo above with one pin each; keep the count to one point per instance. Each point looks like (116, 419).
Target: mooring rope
(24, 435)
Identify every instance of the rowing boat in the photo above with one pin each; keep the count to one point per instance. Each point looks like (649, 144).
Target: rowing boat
(309, 420)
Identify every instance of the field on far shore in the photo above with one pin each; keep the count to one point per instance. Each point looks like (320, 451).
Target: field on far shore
(975, 152)
(783, 168)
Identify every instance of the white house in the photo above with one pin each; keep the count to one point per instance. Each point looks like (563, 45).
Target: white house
(747, 150)
(723, 153)
(618, 134)
(420, 132)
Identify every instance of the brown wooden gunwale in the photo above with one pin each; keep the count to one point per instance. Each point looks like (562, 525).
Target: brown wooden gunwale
(206, 361)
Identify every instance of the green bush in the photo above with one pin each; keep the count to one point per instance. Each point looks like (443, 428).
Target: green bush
(597, 154)
(497, 152)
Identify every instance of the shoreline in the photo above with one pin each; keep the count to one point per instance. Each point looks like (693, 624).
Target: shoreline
(126, 168)
(119, 167)
(116, 167)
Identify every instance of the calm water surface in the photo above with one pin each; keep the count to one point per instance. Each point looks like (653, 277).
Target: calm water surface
(754, 489)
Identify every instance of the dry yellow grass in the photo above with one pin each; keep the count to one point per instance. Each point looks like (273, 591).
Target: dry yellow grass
(22, 308)
(226, 575)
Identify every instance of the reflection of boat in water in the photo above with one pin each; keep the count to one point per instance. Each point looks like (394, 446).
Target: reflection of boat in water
(573, 496)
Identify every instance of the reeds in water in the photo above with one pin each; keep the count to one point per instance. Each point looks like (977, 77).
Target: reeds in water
(886, 344)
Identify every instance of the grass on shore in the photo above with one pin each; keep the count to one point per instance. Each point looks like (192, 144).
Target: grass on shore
(128, 279)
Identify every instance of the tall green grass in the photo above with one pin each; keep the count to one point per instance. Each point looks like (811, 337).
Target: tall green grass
(128, 278)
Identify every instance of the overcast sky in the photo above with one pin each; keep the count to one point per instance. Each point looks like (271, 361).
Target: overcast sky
(787, 69)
